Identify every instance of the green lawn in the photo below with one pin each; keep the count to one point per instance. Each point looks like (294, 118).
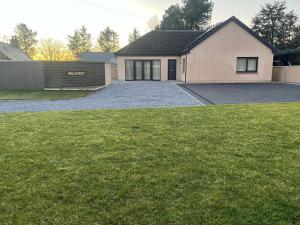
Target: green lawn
(41, 95)
(203, 165)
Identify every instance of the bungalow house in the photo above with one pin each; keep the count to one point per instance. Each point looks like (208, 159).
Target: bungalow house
(230, 52)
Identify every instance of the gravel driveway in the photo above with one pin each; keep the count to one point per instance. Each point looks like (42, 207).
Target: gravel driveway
(139, 94)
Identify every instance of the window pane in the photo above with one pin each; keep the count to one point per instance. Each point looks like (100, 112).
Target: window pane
(241, 65)
(147, 70)
(139, 70)
(252, 64)
(156, 70)
(129, 70)
(183, 65)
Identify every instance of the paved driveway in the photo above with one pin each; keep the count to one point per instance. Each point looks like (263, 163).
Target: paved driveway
(137, 94)
(244, 93)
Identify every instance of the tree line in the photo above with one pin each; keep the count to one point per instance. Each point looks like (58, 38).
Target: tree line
(274, 22)
(80, 41)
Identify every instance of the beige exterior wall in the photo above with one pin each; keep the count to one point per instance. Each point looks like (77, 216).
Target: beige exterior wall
(287, 74)
(114, 71)
(215, 59)
(107, 74)
(164, 65)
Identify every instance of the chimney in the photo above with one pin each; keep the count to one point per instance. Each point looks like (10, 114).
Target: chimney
(14, 42)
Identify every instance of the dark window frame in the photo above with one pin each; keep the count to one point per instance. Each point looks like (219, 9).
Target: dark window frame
(247, 60)
(143, 72)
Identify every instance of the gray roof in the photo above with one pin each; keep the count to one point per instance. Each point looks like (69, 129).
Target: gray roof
(160, 42)
(98, 57)
(13, 53)
(165, 42)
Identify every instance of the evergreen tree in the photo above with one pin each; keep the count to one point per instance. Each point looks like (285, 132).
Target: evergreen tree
(276, 25)
(80, 41)
(192, 15)
(108, 41)
(134, 35)
(27, 39)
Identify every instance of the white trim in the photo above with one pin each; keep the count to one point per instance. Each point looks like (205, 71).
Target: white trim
(201, 103)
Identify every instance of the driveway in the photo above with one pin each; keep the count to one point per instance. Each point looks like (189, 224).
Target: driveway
(244, 93)
(137, 94)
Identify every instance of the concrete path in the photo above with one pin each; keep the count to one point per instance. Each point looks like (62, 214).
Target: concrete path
(136, 94)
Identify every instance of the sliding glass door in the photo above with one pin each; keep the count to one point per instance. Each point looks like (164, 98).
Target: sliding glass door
(147, 70)
(156, 70)
(129, 70)
(143, 70)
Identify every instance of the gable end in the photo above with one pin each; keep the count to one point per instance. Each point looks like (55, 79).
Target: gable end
(212, 31)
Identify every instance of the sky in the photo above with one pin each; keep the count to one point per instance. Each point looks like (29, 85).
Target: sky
(59, 18)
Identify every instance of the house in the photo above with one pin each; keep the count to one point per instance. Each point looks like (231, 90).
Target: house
(98, 57)
(288, 57)
(12, 51)
(229, 52)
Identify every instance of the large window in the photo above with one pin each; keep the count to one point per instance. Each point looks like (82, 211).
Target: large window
(156, 70)
(143, 70)
(138, 70)
(147, 70)
(247, 65)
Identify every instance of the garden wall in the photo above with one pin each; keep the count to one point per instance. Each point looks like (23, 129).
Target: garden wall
(114, 71)
(34, 75)
(21, 75)
(287, 74)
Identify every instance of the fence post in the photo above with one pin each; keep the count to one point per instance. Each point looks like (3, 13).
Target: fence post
(108, 74)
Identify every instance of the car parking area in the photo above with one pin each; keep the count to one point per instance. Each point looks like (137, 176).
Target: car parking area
(244, 93)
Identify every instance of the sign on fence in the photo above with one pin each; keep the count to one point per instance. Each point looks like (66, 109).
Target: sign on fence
(82, 73)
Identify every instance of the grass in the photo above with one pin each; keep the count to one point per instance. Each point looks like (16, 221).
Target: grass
(41, 95)
(211, 165)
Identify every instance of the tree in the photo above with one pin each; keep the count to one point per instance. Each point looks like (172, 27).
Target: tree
(80, 41)
(296, 40)
(27, 39)
(53, 50)
(172, 19)
(108, 41)
(134, 35)
(275, 24)
(153, 23)
(197, 14)
(191, 15)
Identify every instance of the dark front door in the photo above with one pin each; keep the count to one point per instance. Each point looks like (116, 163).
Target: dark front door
(172, 69)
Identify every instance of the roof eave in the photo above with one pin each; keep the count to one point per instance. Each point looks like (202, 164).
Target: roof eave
(145, 55)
